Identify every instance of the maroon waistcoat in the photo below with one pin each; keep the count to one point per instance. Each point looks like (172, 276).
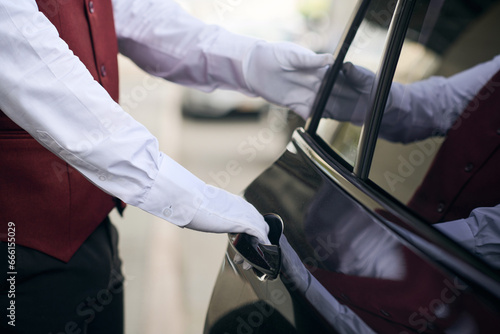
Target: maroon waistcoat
(465, 173)
(54, 207)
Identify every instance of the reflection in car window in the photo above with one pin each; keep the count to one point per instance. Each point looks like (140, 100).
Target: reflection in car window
(438, 154)
(438, 150)
(438, 146)
(341, 131)
(423, 104)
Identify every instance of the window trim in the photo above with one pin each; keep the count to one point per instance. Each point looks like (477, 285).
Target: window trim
(383, 80)
(371, 125)
(331, 75)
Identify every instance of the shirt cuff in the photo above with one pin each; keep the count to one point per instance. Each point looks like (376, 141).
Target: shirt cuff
(459, 231)
(175, 195)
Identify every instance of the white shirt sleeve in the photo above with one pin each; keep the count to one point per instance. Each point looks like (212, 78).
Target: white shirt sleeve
(166, 41)
(479, 233)
(47, 91)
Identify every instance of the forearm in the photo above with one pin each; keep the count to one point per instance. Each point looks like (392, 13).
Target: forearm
(166, 41)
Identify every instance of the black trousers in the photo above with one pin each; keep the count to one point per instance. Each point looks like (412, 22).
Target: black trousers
(82, 296)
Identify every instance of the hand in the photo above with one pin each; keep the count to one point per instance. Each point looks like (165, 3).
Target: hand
(285, 74)
(223, 212)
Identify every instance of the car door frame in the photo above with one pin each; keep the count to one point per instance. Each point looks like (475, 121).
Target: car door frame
(410, 228)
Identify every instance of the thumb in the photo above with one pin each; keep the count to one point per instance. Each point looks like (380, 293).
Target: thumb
(357, 76)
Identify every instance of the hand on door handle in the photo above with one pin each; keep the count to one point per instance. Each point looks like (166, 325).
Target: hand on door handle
(264, 258)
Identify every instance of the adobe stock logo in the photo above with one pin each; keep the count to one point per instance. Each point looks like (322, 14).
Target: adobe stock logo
(407, 165)
(221, 7)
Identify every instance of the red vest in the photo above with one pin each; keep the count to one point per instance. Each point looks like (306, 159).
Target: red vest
(54, 207)
(465, 173)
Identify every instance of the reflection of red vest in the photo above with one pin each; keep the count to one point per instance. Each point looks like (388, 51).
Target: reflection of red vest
(466, 171)
(464, 175)
(54, 207)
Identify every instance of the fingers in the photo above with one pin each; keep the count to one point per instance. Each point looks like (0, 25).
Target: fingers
(292, 57)
(262, 238)
(357, 76)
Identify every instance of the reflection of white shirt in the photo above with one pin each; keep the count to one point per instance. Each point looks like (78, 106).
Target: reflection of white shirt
(41, 80)
(420, 110)
(430, 107)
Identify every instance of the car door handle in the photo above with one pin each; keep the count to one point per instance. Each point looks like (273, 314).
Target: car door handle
(264, 258)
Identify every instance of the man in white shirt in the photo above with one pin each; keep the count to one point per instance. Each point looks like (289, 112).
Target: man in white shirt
(57, 99)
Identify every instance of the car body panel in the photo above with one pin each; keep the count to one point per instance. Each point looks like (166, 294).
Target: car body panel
(315, 244)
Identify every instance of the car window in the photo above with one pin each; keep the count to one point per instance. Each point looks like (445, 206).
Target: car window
(419, 125)
(340, 131)
(422, 144)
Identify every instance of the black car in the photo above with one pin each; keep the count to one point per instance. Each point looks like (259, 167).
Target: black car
(359, 233)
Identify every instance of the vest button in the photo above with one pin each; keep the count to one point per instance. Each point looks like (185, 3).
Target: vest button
(442, 311)
(103, 70)
(469, 167)
(91, 7)
(385, 313)
(440, 207)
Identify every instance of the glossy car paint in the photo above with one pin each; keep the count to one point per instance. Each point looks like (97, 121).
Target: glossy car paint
(316, 208)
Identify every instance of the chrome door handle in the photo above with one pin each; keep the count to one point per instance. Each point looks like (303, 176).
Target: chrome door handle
(264, 258)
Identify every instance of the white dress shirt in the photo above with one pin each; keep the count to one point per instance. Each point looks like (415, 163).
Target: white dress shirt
(41, 80)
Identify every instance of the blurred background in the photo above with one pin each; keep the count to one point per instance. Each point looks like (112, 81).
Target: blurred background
(170, 271)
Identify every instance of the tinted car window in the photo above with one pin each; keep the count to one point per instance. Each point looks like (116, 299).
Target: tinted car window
(428, 144)
(428, 154)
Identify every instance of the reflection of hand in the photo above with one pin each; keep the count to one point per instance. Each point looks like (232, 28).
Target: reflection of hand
(351, 94)
(286, 74)
(223, 212)
(413, 111)
(409, 113)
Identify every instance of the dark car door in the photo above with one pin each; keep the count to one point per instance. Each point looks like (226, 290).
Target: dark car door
(371, 242)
